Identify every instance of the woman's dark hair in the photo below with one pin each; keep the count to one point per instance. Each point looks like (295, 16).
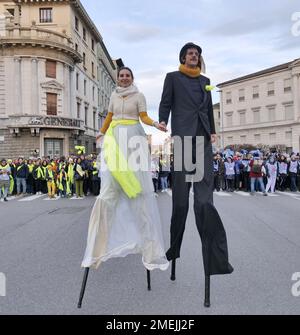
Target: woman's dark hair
(125, 68)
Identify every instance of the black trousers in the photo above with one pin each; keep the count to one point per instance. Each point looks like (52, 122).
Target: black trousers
(208, 222)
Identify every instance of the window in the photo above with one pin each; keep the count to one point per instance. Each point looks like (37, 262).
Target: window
(271, 89)
(76, 23)
(94, 119)
(51, 104)
(230, 139)
(288, 135)
(257, 138)
(229, 119)
(93, 45)
(50, 69)
(242, 118)
(256, 116)
(272, 113)
(287, 85)
(228, 98)
(273, 137)
(243, 139)
(255, 94)
(93, 69)
(289, 112)
(45, 15)
(84, 87)
(84, 34)
(77, 81)
(78, 110)
(76, 47)
(85, 115)
(83, 55)
(93, 93)
(241, 95)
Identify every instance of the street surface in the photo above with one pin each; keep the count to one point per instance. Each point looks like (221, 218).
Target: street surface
(42, 244)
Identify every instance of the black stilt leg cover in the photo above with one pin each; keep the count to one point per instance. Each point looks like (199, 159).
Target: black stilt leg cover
(214, 242)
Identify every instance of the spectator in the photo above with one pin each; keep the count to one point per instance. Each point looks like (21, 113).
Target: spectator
(256, 174)
(5, 172)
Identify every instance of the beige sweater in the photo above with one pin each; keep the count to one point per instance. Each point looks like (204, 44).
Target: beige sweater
(132, 107)
(127, 108)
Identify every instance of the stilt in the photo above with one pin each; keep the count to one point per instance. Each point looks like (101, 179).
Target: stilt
(173, 277)
(207, 291)
(85, 276)
(148, 280)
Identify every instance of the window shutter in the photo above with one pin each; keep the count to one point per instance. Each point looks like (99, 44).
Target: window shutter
(51, 104)
(50, 69)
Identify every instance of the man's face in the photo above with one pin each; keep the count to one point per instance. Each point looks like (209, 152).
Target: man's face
(192, 57)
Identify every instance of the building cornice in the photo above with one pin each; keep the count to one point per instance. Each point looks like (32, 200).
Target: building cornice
(262, 73)
(78, 7)
(259, 126)
(35, 37)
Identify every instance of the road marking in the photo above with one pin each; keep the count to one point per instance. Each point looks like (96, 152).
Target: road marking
(223, 194)
(74, 198)
(292, 195)
(169, 192)
(11, 198)
(244, 194)
(33, 197)
(52, 199)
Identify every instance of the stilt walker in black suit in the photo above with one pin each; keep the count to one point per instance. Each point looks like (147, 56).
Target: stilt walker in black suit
(186, 94)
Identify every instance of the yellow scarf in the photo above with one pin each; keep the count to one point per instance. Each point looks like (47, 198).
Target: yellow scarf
(117, 164)
(194, 73)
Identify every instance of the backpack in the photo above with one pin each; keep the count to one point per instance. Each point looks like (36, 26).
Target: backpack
(256, 167)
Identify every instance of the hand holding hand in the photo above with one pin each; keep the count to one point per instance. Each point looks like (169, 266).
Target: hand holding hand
(160, 126)
(213, 138)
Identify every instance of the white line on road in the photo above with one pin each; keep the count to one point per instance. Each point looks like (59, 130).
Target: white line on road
(244, 194)
(33, 197)
(292, 195)
(11, 198)
(222, 194)
(52, 199)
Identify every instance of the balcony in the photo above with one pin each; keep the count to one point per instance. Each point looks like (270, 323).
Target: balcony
(39, 37)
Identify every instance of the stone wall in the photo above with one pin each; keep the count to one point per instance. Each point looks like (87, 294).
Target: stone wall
(15, 146)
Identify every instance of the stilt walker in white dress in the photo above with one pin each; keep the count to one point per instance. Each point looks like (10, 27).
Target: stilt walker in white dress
(125, 218)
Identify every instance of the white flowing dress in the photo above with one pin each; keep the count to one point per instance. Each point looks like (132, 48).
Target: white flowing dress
(119, 225)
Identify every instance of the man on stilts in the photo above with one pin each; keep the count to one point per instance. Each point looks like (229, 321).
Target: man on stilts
(186, 94)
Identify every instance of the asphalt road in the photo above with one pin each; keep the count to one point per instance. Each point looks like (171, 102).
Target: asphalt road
(42, 244)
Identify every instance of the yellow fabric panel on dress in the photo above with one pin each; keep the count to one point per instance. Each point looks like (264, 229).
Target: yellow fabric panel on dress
(146, 119)
(106, 123)
(117, 164)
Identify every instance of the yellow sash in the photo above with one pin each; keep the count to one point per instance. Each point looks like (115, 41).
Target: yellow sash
(117, 163)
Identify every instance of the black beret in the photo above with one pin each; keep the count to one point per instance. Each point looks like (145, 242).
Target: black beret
(189, 45)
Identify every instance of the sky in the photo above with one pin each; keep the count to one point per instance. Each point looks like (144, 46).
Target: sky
(237, 37)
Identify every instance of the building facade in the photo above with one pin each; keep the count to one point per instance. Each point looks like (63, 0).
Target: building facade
(56, 77)
(262, 108)
(217, 118)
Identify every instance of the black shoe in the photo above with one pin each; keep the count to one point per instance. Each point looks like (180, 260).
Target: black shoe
(5, 199)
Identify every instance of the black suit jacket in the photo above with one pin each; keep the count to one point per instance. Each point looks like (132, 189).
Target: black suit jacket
(186, 112)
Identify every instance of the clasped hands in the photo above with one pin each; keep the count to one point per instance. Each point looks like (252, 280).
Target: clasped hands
(160, 126)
